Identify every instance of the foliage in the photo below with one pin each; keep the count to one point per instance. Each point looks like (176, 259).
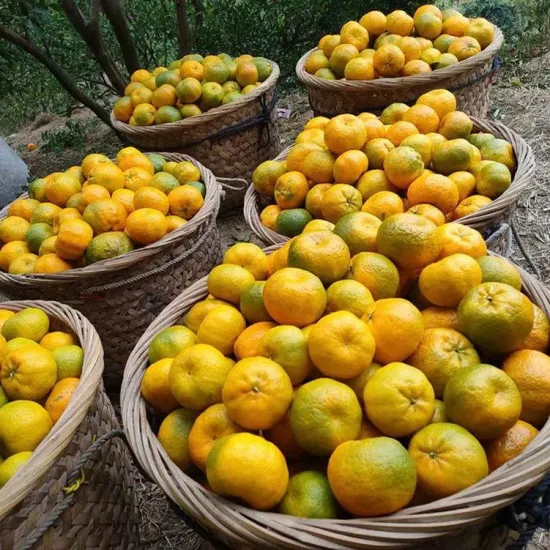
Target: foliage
(72, 136)
(279, 29)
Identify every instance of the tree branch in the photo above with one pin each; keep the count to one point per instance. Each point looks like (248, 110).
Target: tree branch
(91, 35)
(199, 14)
(58, 72)
(115, 14)
(185, 35)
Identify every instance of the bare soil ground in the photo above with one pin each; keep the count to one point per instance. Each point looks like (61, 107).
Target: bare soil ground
(520, 100)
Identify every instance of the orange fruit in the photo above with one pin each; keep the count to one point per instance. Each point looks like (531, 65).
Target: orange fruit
(484, 400)
(464, 47)
(105, 215)
(376, 272)
(247, 74)
(324, 414)
(228, 281)
(59, 397)
(393, 113)
(339, 200)
(322, 253)
(383, 204)
(345, 132)
(411, 48)
(355, 34)
(141, 96)
(439, 317)
(316, 61)
(437, 190)
(185, 201)
(291, 189)
(210, 426)
(410, 241)
(441, 101)
(191, 69)
(424, 117)
(10, 251)
(340, 57)
(249, 256)
(400, 130)
(126, 198)
(388, 60)
(294, 161)
(428, 8)
(173, 435)
(455, 124)
(428, 211)
(73, 239)
(539, 337)
(92, 193)
(13, 228)
(146, 225)
(358, 230)
(397, 327)
(60, 187)
(195, 316)
(374, 22)
(377, 150)
(399, 22)
(151, 197)
(465, 181)
(441, 353)
(493, 179)
(314, 199)
(22, 208)
(470, 205)
(482, 30)
(416, 66)
(317, 166)
(329, 43)
(220, 328)
(164, 95)
(135, 160)
(461, 239)
(313, 135)
(155, 386)
(92, 160)
(428, 25)
(268, 215)
(348, 295)
(372, 182)
(349, 166)
(510, 444)
(448, 459)
(399, 400)
(372, 477)
(455, 25)
(402, 166)
(360, 68)
(248, 341)
(123, 109)
(136, 177)
(341, 345)
(248, 467)
(257, 393)
(530, 371)
(51, 263)
(294, 297)
(506, 310)
(375, 128)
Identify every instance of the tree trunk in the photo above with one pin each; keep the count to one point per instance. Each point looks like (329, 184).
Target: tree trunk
(91, 35)
(61, 75)
(185, 35)
(115, 14)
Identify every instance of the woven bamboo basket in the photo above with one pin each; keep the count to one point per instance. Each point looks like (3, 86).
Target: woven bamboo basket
(123, 295)
(244, 528)
(84, 451)
(487, 219)
(231, 140)
(469, 80)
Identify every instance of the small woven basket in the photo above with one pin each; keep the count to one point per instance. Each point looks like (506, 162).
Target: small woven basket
(83, 452)
(123, 295)
(231, 140)
(469, 80)
(244, 528)
(487, 219)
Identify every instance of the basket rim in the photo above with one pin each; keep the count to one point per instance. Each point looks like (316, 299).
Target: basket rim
(66, 427)
(526, 166)
(213, 114)
(205, 215)
(234, 521)
(381, 84)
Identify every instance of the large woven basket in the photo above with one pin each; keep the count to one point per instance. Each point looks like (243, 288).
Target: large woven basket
(231, 140)
(487, 219)
(243, 528)
(469, 80)
(123, 295)
(77, 490)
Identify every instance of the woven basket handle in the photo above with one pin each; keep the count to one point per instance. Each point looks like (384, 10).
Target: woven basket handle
(74, 482)
(239, 184)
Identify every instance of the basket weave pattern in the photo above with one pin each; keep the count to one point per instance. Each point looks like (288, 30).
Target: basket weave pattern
(123, 295)
(487, 219)
(241, 527)
(470, 80)
(103, 513)
(220, 138)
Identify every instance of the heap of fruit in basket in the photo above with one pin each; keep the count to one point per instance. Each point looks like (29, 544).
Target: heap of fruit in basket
(189, 86)
(98, 211)
(39, 374)
(425, 159)
(380, 46)
(313, 378)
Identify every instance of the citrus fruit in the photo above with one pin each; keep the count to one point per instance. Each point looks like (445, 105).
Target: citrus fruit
(374, 22)
(530, 371)
(248, 467)
(441, 353)
(358, 383)
(292, 222)
(59, 397)
(499, 270)
(372, 477)
(173, 435)
(220, 328)
(483, 399)
(507, 312)
(360, 68)
(269, 215)
(193, 319)
(23, 264)
(354, 33)
(56, 339)
(23, 425)
(248, 342)
(341, 345)
(345, 132)
(294, 297)
(227, 282)
(461, 239)
(324, 414)
(10, 251)
(539, 337)
(482, 30)
(31, 323)
(348, 295)
(448, 459)
(12, 464)
(452, 156)
(340, 199)
(108, 245)
(146, 225)
(376, 272)
(493, 179)
(169, 342)
(257, 393)
(105, 215)
(69, 360)
(358, 230)
(439, 414)
(252, 303)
